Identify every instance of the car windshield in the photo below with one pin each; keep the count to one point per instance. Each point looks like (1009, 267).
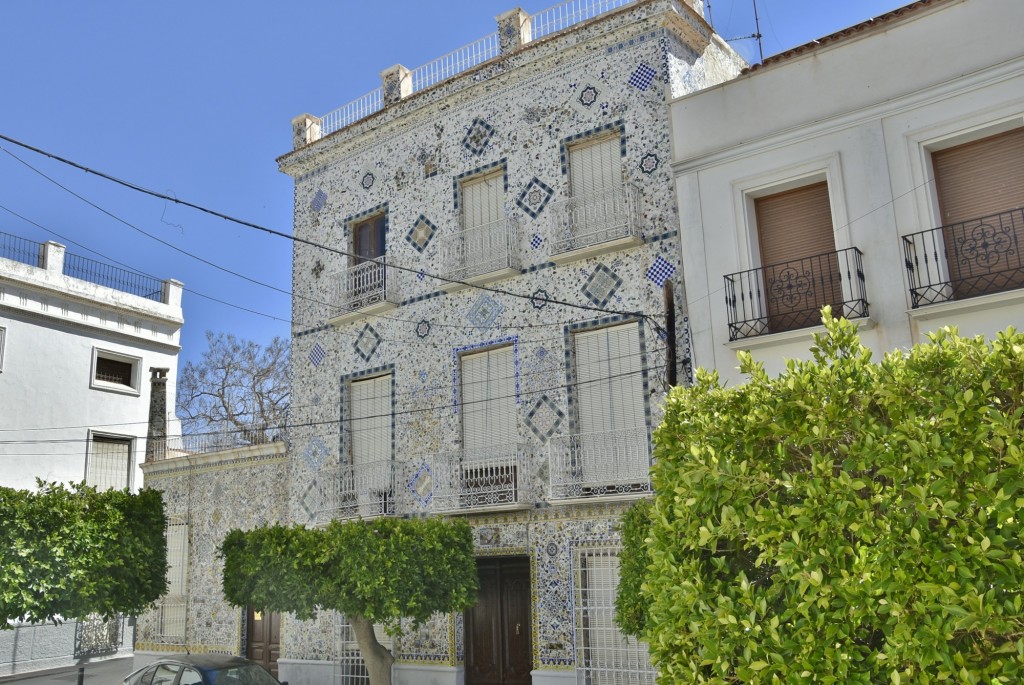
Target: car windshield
(248, 674)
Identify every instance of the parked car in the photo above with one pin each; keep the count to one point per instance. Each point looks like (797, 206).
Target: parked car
(202, 669)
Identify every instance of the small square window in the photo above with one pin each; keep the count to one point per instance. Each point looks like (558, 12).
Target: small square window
(114, 371)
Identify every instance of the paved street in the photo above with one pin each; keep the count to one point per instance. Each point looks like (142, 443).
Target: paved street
(109, 672)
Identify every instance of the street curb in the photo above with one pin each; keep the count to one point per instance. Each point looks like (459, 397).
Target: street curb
(58, 669)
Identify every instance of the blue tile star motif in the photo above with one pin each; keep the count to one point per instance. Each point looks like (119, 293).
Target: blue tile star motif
(649, 163)
(317, 355)
(478, 136)
(539, 298)
(420, 234)
(421, 485)
(661, 270)
(423, 329)
(485, 311)
(588, 96)
(602, 285)
(535, 197)
(642, 77)
(367, 342)
(367, 180)
(319, 201)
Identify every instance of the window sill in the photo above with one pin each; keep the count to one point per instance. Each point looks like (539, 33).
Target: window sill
(801, 335)
(115, 388)
(943, 309)
(482, 279)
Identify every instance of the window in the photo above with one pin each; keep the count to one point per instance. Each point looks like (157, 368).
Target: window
(604, 654)
(109, 463)
(611, 451)
(368, 238)
(980, 188)
(489, 399)
(483, 199)
(799, 261)
(172, 606)
(115, 371)
(482, 246)
(365, 282)
(595, 166)
(366, 484)
(190, 677)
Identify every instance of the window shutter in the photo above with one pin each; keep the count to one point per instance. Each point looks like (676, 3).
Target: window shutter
(595, 166)
(980, 178)
(482, 200)
(370, 425)
(489, 399)
(609, 381)
(109, 463)
(794, 224)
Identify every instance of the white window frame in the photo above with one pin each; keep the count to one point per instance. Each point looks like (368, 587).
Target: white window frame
(91, 455)
(136, 362)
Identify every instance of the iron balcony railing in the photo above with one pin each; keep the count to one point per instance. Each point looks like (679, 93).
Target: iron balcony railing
(613, 462)
(366, 284)
(469, 479)
(481, 250)
(554, 19)
(21, 250)
(789, 295)
(207, 443)
(966, 259)
(594, 218)
(455, 62)
(109, 276)
(361, 490)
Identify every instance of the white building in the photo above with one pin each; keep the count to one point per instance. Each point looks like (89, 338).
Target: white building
(879, 169)
(77, 341)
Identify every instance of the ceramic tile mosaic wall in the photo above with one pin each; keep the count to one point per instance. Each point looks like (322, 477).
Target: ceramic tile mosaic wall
(518, 114)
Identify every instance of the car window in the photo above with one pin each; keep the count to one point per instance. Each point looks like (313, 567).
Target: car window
(190, 676)
(249, 674)
(164, 674)
(144, 676)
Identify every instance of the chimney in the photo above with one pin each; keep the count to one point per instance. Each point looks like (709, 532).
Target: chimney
(156, 435)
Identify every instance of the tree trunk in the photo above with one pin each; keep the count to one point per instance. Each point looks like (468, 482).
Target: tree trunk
(378, 660)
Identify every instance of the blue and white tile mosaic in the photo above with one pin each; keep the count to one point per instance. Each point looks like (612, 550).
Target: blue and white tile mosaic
(420, 234)
(602, 285)
(661, 270)
(535, 197)
(485, 311)
(643, 76)
(367, 342)
(317, 355)
(478, 136)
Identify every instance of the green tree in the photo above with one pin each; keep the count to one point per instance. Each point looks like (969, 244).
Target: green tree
(376, 571)
(844, 522)
(70, 553)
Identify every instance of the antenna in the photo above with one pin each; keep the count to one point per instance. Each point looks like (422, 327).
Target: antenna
(757, 34)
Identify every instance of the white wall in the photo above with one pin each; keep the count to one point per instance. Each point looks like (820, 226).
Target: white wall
(863, 114)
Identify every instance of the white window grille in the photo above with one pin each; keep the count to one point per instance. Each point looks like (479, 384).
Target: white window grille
(109, 463)
(604, 656)
(173, 605)
(115, 371)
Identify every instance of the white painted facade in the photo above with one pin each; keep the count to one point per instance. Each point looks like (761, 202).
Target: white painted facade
(864, 110)
(53, 328)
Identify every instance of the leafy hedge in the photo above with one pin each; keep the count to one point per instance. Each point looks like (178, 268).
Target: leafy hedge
(844, 522)
(69, 553)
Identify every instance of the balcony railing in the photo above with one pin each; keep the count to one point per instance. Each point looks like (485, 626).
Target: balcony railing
(481, 250)
(189, 444)
(114, 277)
(967, 259)
(789, 295)
(464, 479)
(366, 284)
(602, 463)
(21, 250)
(588, 220)
(361, 490)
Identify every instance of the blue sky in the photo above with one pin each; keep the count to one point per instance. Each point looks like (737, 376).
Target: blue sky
(194, 98)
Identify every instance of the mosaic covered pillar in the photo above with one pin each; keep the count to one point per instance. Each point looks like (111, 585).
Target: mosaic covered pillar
(397, 84)
(514, 30)
(306, 129)
(156, 434)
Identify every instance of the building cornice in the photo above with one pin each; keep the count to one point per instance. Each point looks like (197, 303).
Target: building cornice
(240, 457)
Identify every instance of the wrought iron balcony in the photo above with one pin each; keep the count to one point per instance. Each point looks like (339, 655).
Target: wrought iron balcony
(967, 259)
(357, 491)
(464, 479)
(587, 221)
(789, 295)
(475, 253)
(369, 285)
(597, 464)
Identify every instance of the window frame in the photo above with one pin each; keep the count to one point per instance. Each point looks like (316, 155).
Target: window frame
(128, 440)
(611, 138)
(511, 398)
(135, 388)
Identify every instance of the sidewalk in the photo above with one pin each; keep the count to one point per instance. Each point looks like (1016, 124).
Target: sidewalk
(109, 671)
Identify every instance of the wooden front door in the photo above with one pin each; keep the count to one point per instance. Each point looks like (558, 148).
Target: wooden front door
(498, 645)
(263, 638)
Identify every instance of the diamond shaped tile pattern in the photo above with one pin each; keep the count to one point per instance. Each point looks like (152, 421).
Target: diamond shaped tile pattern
(316, 453)
(536, 241)
(602, 285)
(642, 77)
(421, 485)
(485, 311)
(314, 498)
(367, 342)
(478, 136)
(535, 197)
(661, 270)
(421, 233)
(317, 355)
(319, 200)
(544, 418)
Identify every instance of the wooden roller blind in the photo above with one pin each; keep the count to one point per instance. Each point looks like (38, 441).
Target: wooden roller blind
(980, 178)
(794, 224)
(370, 425)
(609, 379)
(595, 166)
(482, 200)
(489, 414)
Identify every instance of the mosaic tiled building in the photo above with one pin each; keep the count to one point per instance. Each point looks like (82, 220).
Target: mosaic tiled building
(478, 289)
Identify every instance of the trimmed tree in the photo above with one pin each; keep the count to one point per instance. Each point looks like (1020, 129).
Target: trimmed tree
(378, 571)
(75, 552)
(844, 522)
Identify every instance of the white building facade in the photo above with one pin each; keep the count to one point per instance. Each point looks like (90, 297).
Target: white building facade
(483, 245)
(879, 170)
(77, 341)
